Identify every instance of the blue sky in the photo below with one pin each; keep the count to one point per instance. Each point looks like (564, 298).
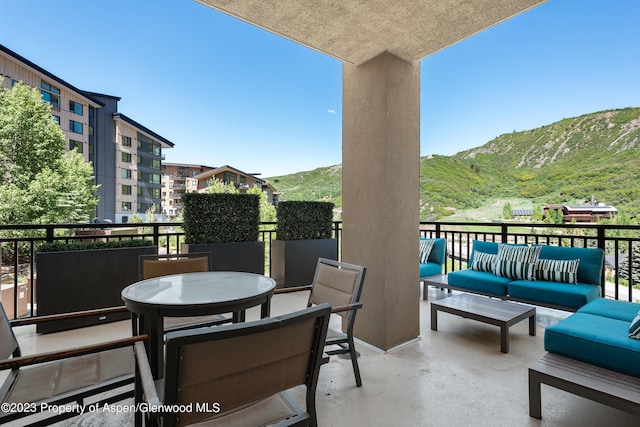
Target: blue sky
(228, 93)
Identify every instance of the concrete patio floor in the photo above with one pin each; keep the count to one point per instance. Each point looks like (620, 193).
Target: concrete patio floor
(456, 376)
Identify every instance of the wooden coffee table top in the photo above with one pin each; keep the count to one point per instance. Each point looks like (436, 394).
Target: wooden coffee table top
(486, 310)
(491, 308)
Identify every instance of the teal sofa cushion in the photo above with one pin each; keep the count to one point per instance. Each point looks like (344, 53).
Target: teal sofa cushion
(479, 281)
(614, 309)
(435, 262)
(430, 269)
(597, 340)
(591, 261)
(554, 293)
(568, 296)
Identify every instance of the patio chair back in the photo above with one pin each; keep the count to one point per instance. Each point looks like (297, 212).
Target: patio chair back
(163, 265)
(338, 284)
(159, 265)
(242, 364)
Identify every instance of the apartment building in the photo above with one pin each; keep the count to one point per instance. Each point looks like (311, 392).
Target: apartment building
(125, 155)
(180, 178)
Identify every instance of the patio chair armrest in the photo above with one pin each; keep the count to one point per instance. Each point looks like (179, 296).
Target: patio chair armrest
(147, 382)
(292, 289)
(72, 352)
(347, 307)
(52, 317)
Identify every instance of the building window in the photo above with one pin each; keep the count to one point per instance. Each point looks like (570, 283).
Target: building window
(126, 190)
(50, 94)
(126, 206)
(126, 141)
(154, 178)
(75, 127)
(75, 107)
(78, 145)
(155, 149)
(125, 173)
(56, 119)
(126, 157)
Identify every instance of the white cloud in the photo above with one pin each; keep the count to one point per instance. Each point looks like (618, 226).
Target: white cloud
(331, 111)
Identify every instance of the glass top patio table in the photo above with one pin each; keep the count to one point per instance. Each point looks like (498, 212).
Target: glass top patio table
(192, 294)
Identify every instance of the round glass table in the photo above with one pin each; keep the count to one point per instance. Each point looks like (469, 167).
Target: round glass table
(192, 294)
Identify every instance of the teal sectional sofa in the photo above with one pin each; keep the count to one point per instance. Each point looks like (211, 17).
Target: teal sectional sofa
(435, 261)
(598, 334)
(556, 293)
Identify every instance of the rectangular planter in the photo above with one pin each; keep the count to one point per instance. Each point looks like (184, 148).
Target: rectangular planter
(85, 280)
(293, 262)
(237, 256)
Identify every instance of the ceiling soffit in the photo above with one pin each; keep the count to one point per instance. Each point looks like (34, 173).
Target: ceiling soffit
(355, 31)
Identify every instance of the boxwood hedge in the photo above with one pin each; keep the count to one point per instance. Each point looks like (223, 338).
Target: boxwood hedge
(300, 220)
(220, 217)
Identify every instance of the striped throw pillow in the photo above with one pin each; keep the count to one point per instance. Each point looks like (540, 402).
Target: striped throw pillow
(558, 270)
(517, 261)
(425, 249)
(483, 261)
(634, 329)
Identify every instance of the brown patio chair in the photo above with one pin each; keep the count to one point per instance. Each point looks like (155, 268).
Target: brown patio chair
(340, 285)
(157, 265)
(238, 375)
(64, 377)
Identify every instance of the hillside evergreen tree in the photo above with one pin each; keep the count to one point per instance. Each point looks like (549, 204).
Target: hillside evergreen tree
(537, 213)
(554, 216)
(507, 212)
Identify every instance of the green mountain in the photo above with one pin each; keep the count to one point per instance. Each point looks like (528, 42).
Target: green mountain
(570, 161)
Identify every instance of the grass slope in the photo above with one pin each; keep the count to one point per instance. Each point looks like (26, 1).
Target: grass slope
(569, 161)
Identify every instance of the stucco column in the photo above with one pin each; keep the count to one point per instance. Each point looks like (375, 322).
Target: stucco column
(380, 194)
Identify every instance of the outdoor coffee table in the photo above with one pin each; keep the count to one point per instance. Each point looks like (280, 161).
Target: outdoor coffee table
(486, 310)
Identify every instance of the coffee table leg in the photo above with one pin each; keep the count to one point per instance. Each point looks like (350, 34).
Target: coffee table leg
(504, 338)
(532, 325)
(434, 318)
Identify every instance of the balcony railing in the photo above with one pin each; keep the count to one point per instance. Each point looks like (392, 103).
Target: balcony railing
(19, 243)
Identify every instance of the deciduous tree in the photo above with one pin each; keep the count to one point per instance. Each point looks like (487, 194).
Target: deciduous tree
(39, 182)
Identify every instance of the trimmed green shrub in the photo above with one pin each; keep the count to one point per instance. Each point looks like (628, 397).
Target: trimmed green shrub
(298, 220)
(59, 246)
(220, 217)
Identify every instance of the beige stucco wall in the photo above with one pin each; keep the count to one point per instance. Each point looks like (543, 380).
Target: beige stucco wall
(380, 188)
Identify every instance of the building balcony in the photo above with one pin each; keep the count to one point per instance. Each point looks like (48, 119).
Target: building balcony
(455, 376)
